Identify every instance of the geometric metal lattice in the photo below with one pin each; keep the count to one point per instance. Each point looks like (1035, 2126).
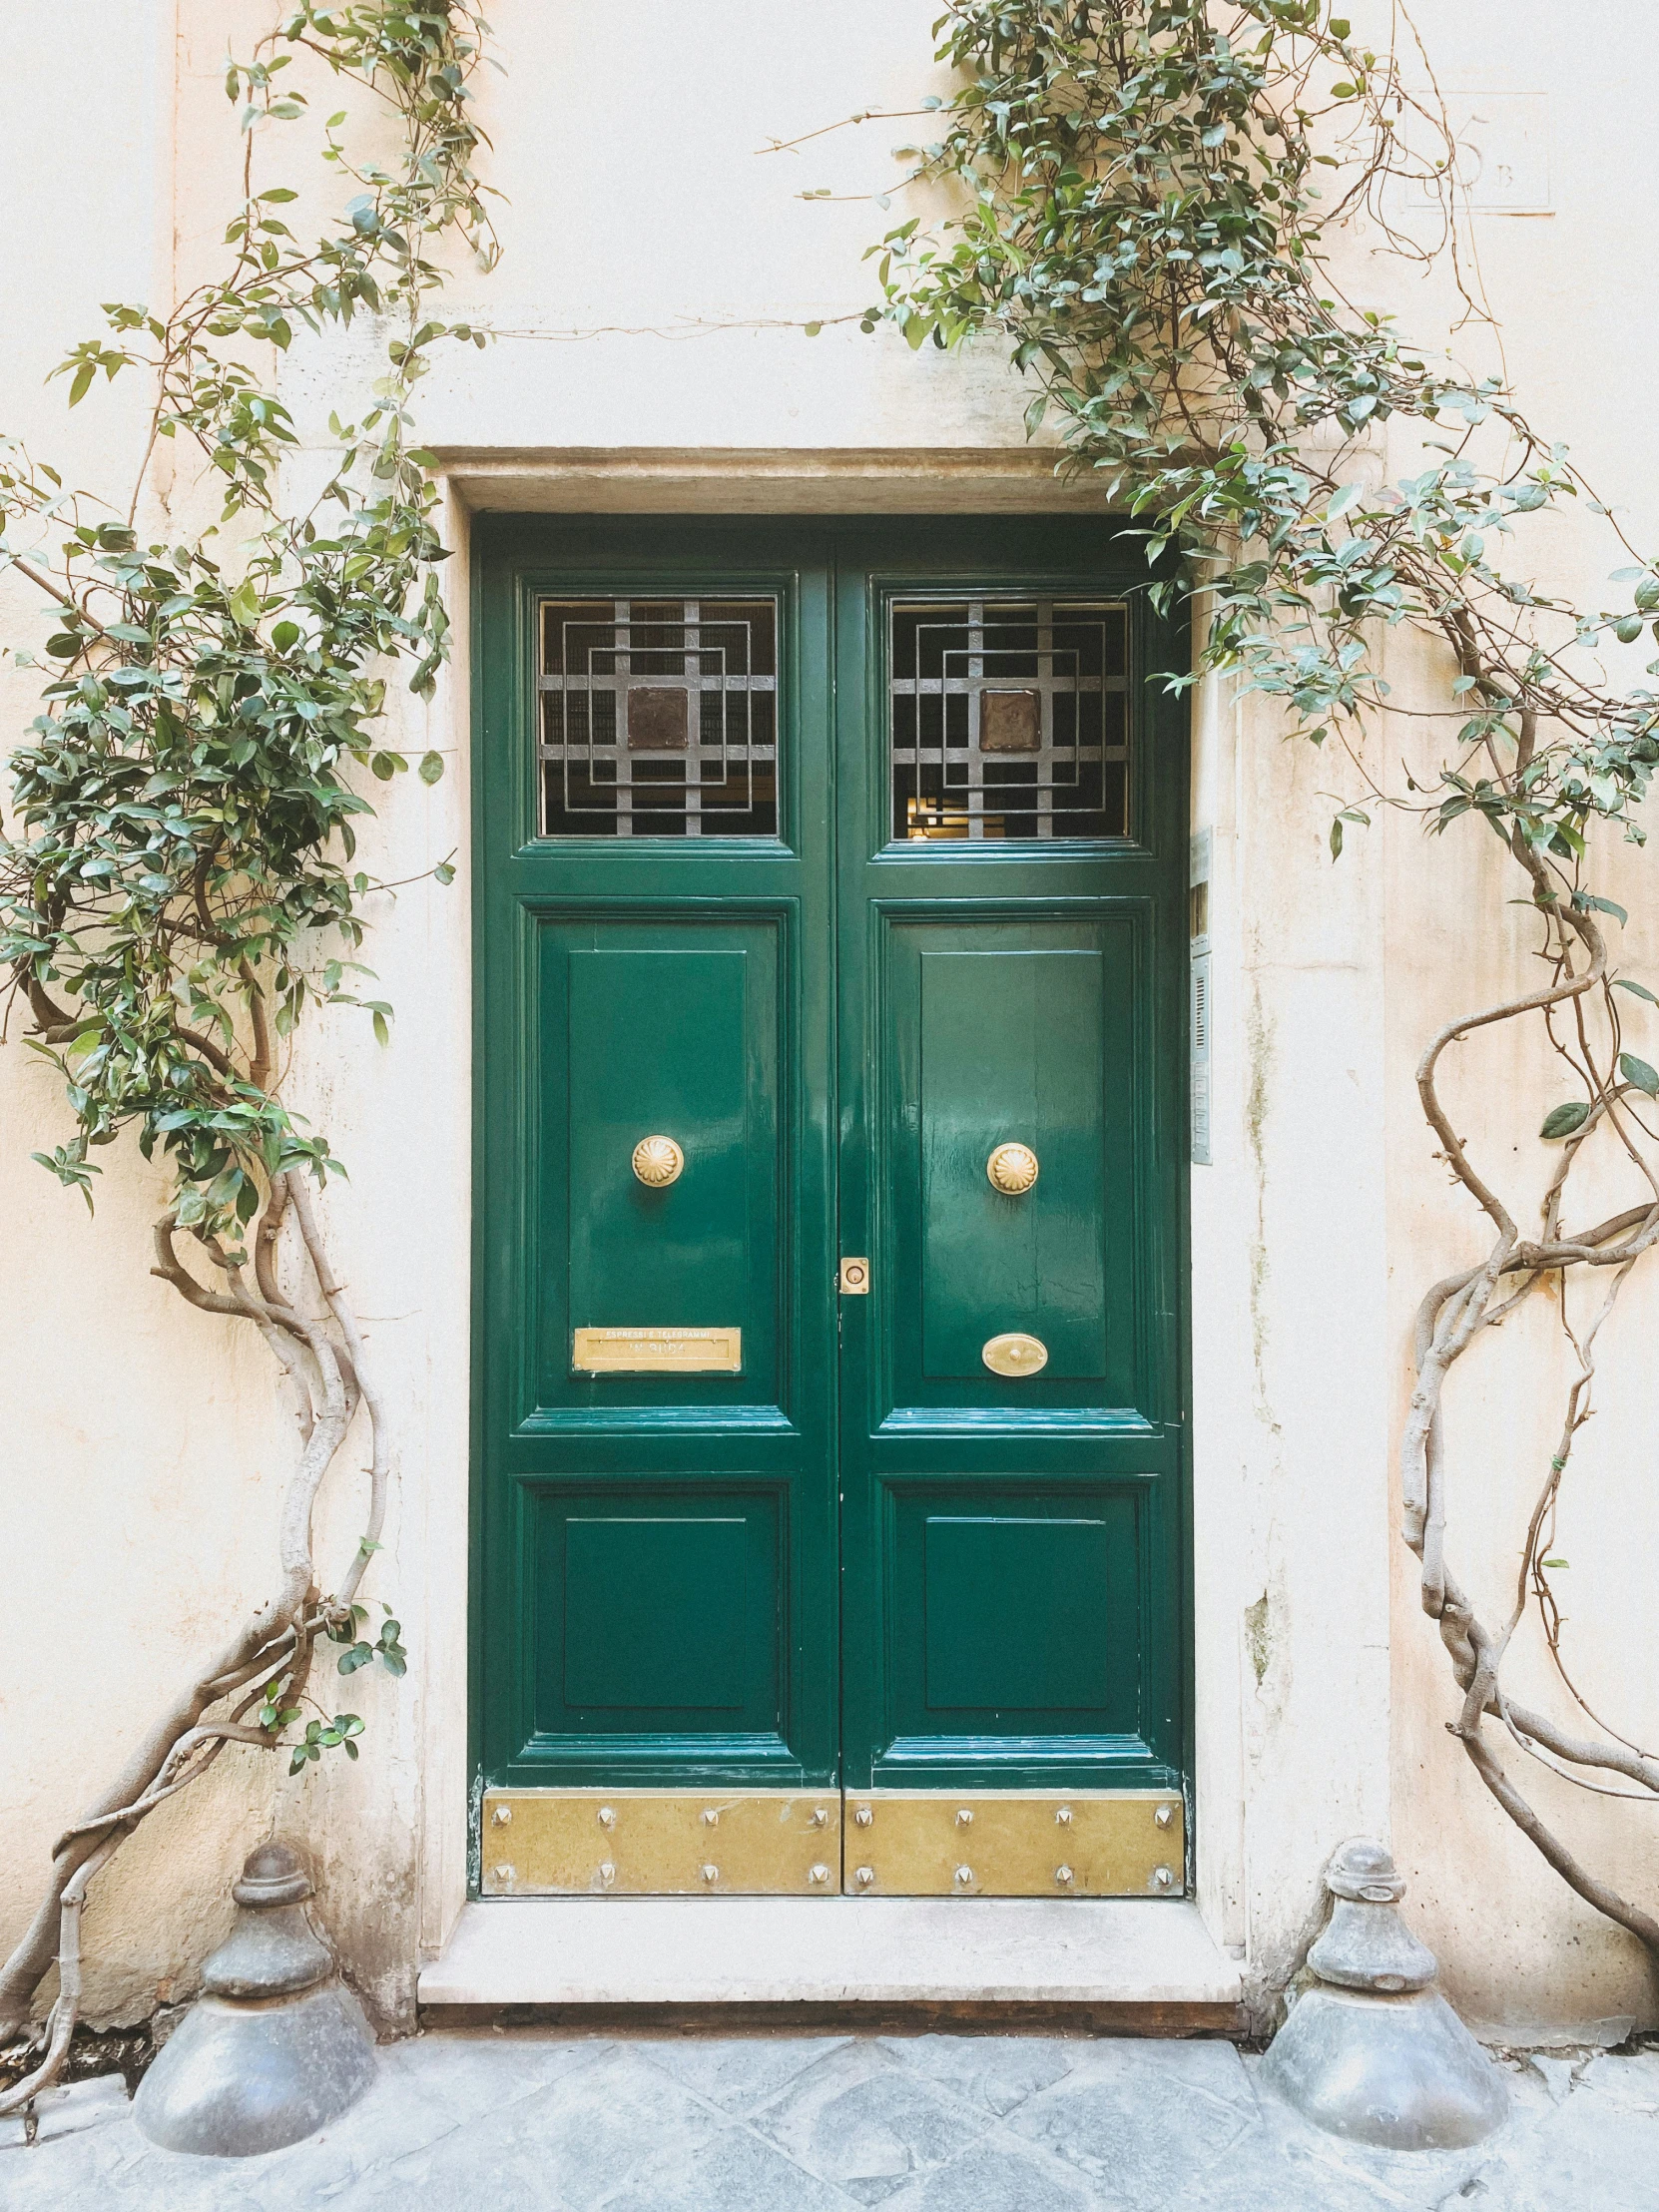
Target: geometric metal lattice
(659, 717)
(1009, 718)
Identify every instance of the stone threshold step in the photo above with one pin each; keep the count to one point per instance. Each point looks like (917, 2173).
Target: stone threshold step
(1096, 1965)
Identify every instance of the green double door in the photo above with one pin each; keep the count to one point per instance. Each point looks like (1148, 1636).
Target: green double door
(830, 908)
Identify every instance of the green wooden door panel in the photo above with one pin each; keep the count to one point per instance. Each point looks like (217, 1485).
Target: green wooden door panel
(1012, 1593)
(1011, 1049)
(658, 1042)
(864, 1557)
(1030, 1619)
(667, 1026)
(657, 1616)
(656, 1597)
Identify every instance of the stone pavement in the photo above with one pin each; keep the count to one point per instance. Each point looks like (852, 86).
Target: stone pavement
(483, 2121)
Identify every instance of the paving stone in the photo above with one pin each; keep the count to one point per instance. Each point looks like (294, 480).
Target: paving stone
(737, 2172)
(570, 2144)
(456, 2123)
(1629, 2080)
(70, 2111)
(996, 2071)
(1000, 2177)
(1146, 2134)
(1208, 2065)
(865, 2122)
(740, 2073)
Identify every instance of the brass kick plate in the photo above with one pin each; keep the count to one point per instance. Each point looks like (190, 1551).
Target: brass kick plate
(657, 1351)
(1015, 1844)
(657, 1842)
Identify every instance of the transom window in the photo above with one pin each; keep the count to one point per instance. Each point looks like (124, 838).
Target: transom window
(1009, 718)
(659, 717)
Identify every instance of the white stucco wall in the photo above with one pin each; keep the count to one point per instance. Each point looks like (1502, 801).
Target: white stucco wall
(143, 1459)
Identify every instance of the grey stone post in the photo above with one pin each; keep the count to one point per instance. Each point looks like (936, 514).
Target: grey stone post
(277, 2046)
(1372, 2052)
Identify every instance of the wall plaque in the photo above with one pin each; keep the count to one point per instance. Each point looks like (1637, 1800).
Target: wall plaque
(657, 1351)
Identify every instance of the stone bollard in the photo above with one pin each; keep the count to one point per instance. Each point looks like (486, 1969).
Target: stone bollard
(1372, 2052)
(277, 2044)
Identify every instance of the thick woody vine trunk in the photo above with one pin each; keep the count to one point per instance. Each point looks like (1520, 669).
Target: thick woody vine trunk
(274, 1644)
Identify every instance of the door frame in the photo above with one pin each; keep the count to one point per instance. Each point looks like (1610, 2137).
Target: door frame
(504, 546)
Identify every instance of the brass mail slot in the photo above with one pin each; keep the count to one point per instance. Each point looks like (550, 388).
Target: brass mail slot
(658, 1352)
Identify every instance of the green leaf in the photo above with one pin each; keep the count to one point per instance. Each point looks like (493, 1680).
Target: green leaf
(382, 1033)
(431, 768)
(1636, 990)
(1561, 1121)
(1639, 1074)
(446, 874)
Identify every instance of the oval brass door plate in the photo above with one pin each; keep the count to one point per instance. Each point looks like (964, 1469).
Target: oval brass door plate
(1012, 1168)
(1015, 1353)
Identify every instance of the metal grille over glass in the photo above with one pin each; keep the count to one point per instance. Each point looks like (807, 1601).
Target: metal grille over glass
(659, 717)
(1009, 718)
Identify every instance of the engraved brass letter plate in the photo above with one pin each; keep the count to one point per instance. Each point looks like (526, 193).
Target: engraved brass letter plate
(657, 1351)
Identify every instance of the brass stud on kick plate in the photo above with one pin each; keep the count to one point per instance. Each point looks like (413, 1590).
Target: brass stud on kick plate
(607, 1819)
(1063, 1877)
(1164, 1815)
(964, 1878)
(864, 1877)
(502, 1815)
(863, 1816)
(818, 1873)
(711, 1875)
(821, 1816)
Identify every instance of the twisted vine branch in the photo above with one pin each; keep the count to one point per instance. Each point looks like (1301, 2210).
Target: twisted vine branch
(185, 840)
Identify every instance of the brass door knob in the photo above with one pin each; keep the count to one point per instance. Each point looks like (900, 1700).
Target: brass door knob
(658, 1162)
(1012, 1168)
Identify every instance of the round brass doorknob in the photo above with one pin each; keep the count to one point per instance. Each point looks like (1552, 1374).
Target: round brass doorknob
(658, 1162)
(1012, 1168)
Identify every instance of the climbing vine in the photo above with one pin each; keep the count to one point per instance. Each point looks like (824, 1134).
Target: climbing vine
(1145, 194)
(178, 887)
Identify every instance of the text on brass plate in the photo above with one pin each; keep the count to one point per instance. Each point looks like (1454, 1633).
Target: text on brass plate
(657, 1350)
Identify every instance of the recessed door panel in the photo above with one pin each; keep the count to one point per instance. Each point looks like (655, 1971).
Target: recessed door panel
(658, 1045)
(663, 1030)
(657, 1612)
(1011, 1052)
